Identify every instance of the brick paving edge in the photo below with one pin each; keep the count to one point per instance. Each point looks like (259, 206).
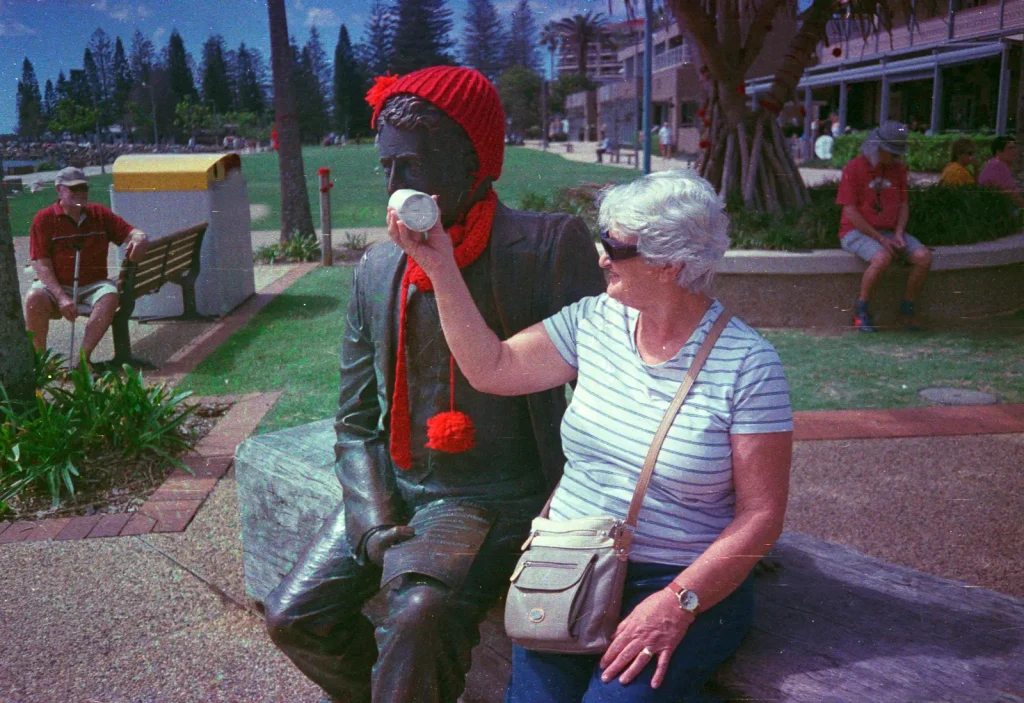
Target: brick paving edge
(174, 503)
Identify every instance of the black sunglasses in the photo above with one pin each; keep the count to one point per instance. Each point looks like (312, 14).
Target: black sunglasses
(617, 251)
(78, 189)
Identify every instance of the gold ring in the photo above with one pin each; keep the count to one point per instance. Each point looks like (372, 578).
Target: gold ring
(647, 651)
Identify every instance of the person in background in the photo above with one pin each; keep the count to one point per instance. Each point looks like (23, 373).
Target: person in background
(665, 141)
(873, 193)
(56, 231)
(961, 155)
(997, 172)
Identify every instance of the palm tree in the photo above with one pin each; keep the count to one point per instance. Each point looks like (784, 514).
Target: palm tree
(580, 32)
(17, 376)
(296, 218)
(550, 38)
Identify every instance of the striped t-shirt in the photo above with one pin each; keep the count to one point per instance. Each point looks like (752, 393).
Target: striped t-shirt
(620, 401)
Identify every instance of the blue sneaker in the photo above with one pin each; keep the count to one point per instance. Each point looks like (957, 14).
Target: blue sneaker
(910, 322)
(862, 321)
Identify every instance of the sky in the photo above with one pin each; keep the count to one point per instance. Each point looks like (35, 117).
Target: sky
(53, 34)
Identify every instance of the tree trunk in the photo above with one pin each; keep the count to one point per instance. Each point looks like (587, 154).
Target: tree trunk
(296, 218)
(744, 152)
(17, 375)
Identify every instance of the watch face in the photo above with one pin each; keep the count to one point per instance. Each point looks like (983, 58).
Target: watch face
(688, 600)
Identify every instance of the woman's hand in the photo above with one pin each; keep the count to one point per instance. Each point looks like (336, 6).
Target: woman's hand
(652, 631)
(433, 252)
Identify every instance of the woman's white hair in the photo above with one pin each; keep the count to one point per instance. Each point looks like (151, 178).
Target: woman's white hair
(679, 219)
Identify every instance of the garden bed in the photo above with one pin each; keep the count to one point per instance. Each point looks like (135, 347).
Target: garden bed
(112, 485)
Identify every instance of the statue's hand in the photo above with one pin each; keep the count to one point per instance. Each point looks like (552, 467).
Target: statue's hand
(382, 540)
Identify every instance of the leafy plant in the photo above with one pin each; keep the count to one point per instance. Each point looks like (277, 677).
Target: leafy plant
(303, 247)
(77, 419)
(356, 241)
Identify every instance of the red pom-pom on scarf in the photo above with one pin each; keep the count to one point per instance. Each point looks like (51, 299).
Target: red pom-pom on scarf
(704, 144)
(451, 432)
(837, 52)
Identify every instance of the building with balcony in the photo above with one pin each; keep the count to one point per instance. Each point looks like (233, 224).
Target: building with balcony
(956, 70)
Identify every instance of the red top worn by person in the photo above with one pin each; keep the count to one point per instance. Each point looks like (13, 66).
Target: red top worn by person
(72, 227)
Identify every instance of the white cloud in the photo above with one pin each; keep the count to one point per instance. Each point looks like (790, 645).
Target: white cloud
(322, 17)
(120, 10)
(158, 34)
(143, 12)
(15, 29)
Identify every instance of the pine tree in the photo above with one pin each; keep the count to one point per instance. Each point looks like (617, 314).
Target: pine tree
(314, 120)
(422, 35)
(30, 102)
(122, 80)
(217, 93)
(141, 58)
(180, 75)
(101, 74)
(250, 95)
(521, 44)
(378, 40)
(319, 63)
(482, 46)
(350, 110)
(49, 100)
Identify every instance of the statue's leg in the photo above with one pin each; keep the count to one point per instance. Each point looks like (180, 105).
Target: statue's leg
(314, 616)
(430, 629)
(425, 642)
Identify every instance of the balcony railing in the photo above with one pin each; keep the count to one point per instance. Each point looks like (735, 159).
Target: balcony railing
(673, 57)
(620, 90)
(995, 17)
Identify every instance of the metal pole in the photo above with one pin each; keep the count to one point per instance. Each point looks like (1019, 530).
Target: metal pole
(808, 137)
(326, 250)
(936, 125)
(843, 107)
(544, 112)
(1004, 90)
(883, 111)
(648, 63)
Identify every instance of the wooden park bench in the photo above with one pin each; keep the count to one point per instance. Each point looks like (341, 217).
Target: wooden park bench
(170, 259)
(831, 624)
(616, 155)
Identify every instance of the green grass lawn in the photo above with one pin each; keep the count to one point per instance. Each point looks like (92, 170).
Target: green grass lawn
(293, 345)
(358, 198)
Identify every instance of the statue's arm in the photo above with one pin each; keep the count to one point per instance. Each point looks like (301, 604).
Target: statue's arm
(362, 460)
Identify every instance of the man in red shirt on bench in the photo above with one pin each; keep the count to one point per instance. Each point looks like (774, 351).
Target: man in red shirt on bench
(70, 225)
(873, 193)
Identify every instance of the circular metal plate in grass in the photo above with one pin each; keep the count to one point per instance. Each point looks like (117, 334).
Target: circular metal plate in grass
(957, 396)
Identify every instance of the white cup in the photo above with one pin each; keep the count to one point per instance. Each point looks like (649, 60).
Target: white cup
(417, 210)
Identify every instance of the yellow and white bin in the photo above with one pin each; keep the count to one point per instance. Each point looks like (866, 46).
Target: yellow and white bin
(164, 193)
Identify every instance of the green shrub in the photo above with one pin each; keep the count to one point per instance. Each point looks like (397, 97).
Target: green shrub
(939, 216)
(928, 153)
(356, 241)
(302, 247)
(77, 419)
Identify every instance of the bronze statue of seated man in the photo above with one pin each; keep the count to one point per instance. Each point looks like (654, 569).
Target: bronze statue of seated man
(440, 482)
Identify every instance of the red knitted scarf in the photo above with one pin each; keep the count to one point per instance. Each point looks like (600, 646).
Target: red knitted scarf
(452, 432)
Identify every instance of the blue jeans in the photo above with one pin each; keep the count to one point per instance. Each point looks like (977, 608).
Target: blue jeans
(713, 637)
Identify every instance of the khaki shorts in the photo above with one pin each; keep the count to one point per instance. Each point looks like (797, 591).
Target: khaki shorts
(88, 295)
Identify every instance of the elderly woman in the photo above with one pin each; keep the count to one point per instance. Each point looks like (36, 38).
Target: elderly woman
(718, 493)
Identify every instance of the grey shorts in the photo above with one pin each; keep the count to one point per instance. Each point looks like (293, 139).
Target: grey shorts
(856, 242)
(88, 295)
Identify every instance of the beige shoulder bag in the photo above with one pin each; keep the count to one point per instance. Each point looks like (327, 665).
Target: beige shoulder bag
(566, 590)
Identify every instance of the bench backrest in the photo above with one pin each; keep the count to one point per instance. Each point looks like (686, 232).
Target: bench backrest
(167, 260)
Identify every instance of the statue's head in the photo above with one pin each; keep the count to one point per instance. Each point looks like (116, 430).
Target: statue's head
(441, 130)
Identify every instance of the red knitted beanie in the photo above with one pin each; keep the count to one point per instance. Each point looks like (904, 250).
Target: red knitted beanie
(465, 95)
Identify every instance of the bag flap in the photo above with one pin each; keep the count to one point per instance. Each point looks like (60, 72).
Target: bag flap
(551, 570)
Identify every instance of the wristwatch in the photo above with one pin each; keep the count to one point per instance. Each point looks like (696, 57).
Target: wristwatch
(688, 600)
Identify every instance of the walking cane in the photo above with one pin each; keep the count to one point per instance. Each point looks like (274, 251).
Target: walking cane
(77, 241)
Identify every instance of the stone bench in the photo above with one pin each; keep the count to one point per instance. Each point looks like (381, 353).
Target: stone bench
(831, 625)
